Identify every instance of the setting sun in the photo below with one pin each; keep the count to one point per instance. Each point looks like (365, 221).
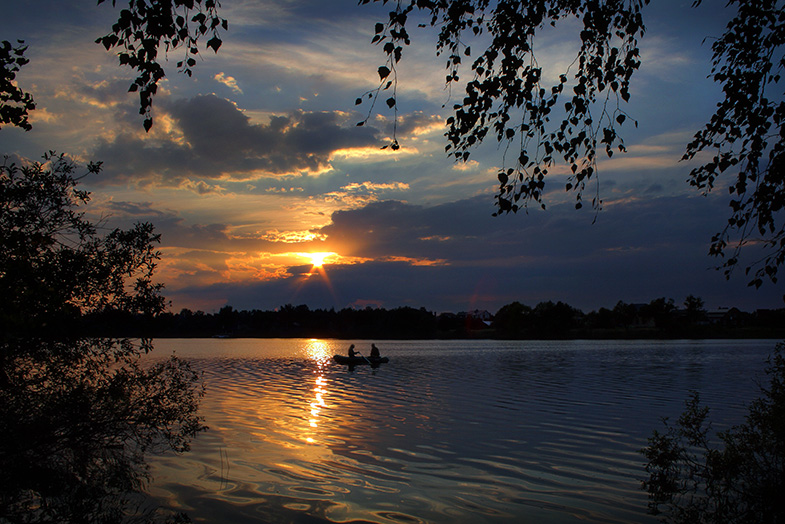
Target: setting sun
(317, 259)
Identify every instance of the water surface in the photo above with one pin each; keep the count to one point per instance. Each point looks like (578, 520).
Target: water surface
(447, 431)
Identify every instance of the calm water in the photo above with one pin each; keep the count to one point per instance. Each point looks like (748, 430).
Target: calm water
(458, 431)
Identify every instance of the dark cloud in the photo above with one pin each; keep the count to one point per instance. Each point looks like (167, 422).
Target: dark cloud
(635, 252)
(144, 210)
(411, 123)
(219, 141)
(388, 284)
(110, 92)
(465, 231)
(633, 277)
(176, 233)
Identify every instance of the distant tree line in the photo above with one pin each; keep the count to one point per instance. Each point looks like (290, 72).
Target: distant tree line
(660, 318)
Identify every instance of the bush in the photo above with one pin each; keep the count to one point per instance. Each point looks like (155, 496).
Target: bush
(740, 481)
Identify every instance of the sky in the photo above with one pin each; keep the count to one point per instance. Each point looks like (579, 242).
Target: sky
(255, 171)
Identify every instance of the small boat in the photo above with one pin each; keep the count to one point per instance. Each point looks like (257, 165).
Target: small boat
(354, 361)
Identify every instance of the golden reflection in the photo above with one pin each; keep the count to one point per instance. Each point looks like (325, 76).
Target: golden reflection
(319, 352)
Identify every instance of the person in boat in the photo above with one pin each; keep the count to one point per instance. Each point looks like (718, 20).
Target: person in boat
(352, 352)
(375, 351)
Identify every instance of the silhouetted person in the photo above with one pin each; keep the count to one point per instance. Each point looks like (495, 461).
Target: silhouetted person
(375, 351)
(352, 352)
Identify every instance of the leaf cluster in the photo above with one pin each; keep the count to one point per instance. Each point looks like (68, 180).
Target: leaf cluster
(391, 36)
(146, 26)
(15, 103)
(507, 95)
(692, 481)
(54, 264)
(746, 136)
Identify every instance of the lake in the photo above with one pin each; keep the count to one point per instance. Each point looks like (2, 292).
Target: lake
(447, 431)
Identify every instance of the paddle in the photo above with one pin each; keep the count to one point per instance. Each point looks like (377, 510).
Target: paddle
(368, 361)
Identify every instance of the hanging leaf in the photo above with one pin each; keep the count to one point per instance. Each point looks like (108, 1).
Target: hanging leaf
(214, 43)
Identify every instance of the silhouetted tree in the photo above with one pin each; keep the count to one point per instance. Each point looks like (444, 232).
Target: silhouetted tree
(449, 325)
(741, 481)
(694, 309)
(554, 319)
(78, 413)
(228, 319)
(513, 320)
(53, 265)
(603, 318)
(660, 310)
(625, 314)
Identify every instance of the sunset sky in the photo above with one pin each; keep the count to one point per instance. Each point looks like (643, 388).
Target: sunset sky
(256, 163)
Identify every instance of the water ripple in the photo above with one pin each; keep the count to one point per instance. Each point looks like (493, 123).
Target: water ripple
(470, 431)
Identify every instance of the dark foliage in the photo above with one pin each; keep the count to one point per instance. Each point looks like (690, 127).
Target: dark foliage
(660, 311)
(571, 120)
(506, 96)
(287, 321)
(77, 419)
(746, 135)
(14, 102)
(78, 413)
(547, 320)
(148, 27)
(54, 266)
(693, 308)
(692, 480)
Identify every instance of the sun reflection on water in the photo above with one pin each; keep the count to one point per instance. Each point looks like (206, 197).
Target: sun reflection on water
(459, 431)
(319, 352)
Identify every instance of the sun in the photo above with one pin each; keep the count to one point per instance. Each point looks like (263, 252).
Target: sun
(317, 259)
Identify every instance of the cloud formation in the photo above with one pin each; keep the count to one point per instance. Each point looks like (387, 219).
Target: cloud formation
(229, 81)
(214, 140)
(457, 257)
(257, 161)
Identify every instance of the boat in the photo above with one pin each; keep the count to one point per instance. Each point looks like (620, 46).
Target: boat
(354, 361)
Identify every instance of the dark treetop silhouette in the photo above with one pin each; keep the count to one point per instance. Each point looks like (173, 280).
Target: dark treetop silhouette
(78, 413)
